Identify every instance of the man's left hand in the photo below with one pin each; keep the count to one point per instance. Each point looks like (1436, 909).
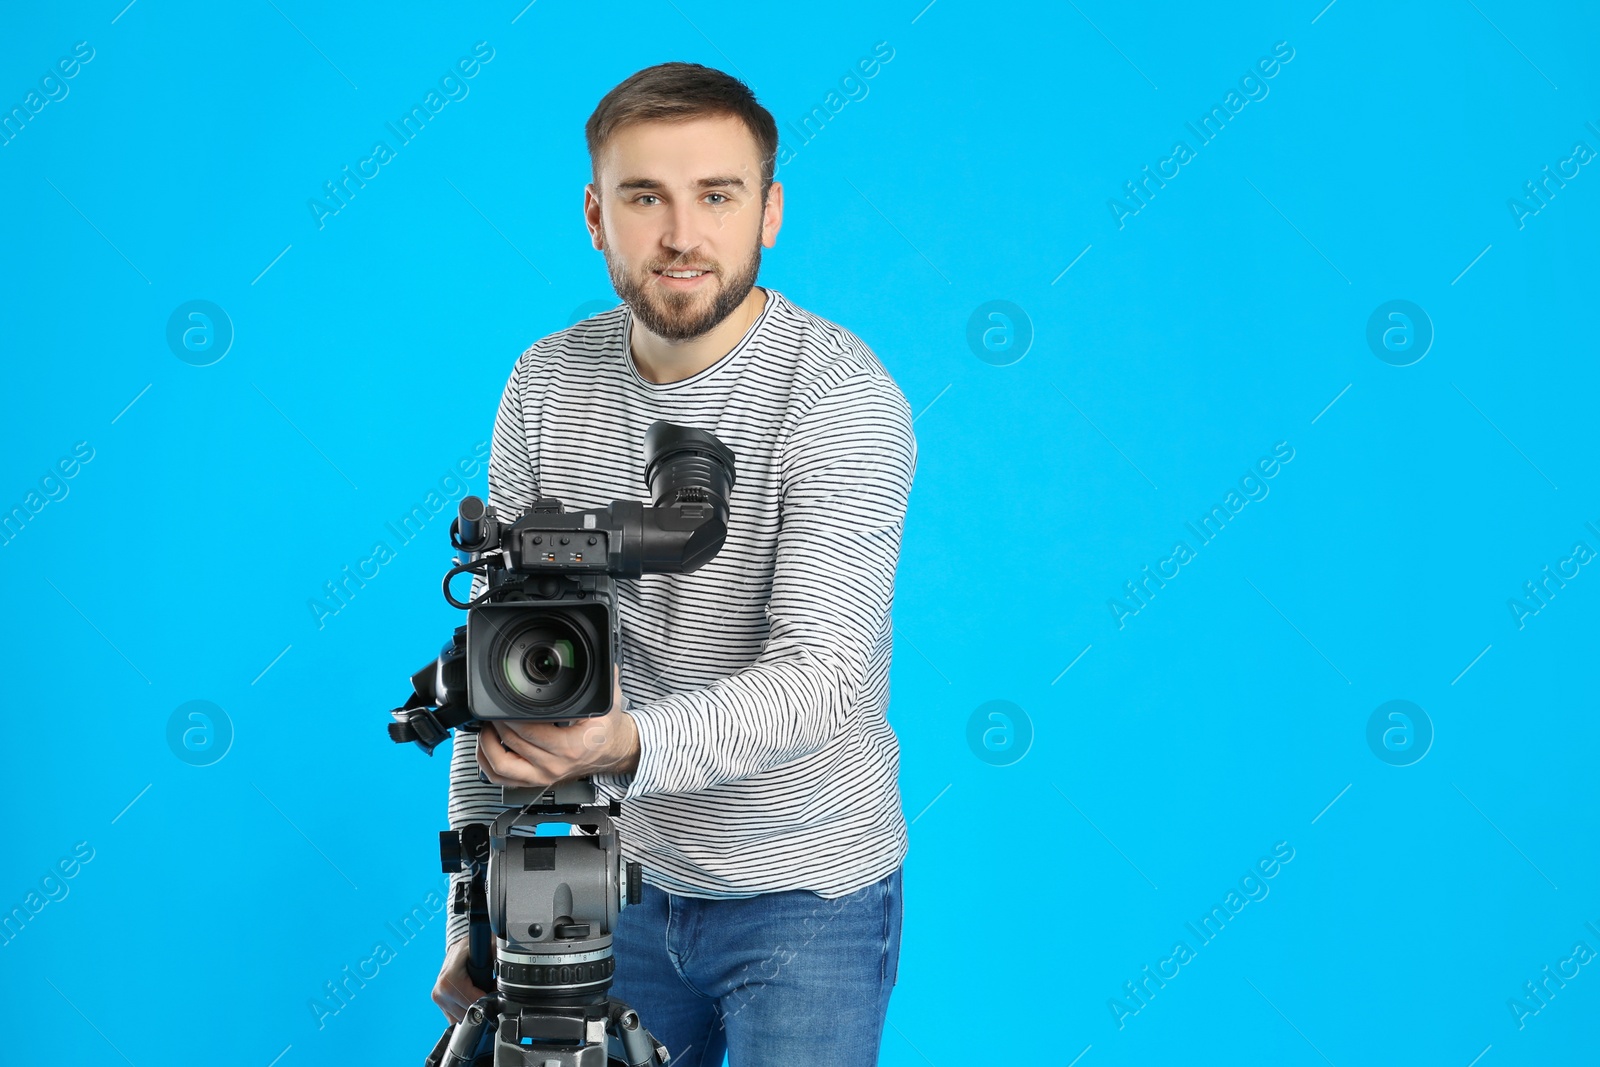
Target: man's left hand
(540, 754)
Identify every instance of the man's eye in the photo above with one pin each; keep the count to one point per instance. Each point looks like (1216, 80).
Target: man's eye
(645, 196)
(722, 197)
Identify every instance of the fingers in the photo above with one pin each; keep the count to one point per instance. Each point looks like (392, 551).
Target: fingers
(455, 1002)
(504, 766)
(454, 992)
(492, 756)
(538, 754)
(544, 745)
(520, 754)
(448, 1003)
(514, 738)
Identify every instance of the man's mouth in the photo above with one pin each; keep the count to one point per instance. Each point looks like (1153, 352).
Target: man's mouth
(680, 277)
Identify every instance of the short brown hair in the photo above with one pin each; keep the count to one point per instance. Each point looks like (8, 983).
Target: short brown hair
(676, 92)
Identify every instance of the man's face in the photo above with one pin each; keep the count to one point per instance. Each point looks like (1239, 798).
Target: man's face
(685, 198)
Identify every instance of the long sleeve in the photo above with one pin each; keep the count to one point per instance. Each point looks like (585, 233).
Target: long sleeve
(847, 468)
(512, 487)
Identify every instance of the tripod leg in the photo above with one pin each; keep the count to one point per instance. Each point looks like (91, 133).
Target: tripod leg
(639, 1047)
(436, 1057)
(465, 1038)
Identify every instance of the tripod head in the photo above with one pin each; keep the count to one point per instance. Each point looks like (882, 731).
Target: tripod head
(549, 902)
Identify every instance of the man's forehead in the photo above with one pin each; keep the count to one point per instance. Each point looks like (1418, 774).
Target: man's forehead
(703, 152)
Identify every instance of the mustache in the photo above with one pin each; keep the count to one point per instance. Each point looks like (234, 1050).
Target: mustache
(651, 281)
(680, 264)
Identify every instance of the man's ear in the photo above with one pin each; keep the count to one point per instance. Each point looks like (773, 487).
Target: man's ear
(772, 215)
(592, 217)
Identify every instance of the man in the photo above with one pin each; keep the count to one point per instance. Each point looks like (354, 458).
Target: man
(753, 754)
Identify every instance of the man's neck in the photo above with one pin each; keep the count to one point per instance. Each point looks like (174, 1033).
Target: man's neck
(662, 361)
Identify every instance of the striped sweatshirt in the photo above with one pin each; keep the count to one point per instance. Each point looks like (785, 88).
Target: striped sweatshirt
(759, 683)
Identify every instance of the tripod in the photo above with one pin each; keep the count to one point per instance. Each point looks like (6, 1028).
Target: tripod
(551, 904)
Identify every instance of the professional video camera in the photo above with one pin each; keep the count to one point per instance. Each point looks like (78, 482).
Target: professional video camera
(539, 644)
(540, 641)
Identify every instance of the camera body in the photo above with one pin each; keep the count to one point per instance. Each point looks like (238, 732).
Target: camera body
(546, 656)
(542, 637)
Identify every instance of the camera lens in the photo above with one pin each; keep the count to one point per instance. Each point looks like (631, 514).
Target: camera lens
(542, 663)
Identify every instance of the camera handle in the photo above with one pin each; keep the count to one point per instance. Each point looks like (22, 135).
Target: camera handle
(417, 719)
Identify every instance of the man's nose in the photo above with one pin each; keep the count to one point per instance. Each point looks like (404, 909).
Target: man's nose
(683, 233)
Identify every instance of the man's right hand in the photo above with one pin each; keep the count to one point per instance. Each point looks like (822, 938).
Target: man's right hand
(454, 991)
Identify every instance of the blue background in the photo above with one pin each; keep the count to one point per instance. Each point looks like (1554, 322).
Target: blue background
(1228, 715)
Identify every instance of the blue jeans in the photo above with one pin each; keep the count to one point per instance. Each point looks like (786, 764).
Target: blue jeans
(782, 978)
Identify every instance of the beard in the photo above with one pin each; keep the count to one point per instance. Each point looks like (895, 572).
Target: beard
(680, 316)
